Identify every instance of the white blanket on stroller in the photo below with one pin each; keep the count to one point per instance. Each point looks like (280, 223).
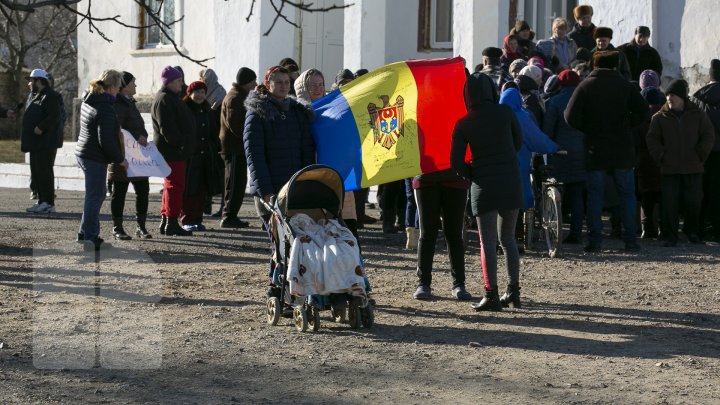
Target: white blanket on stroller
(324, 258)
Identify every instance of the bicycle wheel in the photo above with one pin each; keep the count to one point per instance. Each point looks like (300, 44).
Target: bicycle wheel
(552, 220)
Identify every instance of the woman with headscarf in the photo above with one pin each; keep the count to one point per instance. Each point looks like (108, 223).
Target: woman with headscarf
(215, 91)
(200, 167)
(510, 52)
(215, 95)
(525, 36)
(494, 136)
(516, 66)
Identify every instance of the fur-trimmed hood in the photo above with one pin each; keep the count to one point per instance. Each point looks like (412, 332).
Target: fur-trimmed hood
(268, 108)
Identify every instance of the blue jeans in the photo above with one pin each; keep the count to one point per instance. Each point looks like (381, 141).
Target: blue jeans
(95, 175)
(625, 187)
(412, 219)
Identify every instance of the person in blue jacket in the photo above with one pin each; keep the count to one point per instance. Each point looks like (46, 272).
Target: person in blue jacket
(534, 141)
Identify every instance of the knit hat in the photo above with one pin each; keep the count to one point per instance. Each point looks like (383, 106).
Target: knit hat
(648, 78)
(537, 61)
(169, 74)
(244, 76)
(568, 78)
(583, 54)
(344, 75)
(517, 65)
(715, 70)
(653, 95)
(509, 85)
(602, 32)
(580, 11)
(534, 73)
(196, 85)
(678, 88)
(526, 83)
(492, 52)
(642, 30)
(606, 59)
(126, 78)
(552, 85)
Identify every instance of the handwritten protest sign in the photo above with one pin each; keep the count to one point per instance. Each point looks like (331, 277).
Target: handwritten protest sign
(144, 161)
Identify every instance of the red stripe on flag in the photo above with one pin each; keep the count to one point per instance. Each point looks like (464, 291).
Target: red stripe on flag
(440, 85)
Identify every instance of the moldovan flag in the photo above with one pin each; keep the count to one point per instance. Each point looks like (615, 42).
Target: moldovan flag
(392, 123)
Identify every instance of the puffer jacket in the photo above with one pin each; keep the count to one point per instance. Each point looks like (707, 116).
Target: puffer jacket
(534, 141)
(173, 126)
(42, 110)
(130, 120)
(99, 138)
(568, 168)
(277, 141)
(494, 136)
(583, 37)
(680, 143)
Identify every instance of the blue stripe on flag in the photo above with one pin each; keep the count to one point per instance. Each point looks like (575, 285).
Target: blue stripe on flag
(337, 139)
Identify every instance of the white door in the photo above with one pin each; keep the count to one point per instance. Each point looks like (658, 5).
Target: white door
(322, 41)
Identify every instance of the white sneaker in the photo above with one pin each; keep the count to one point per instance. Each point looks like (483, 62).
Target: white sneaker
(33, 208)
(44, 208)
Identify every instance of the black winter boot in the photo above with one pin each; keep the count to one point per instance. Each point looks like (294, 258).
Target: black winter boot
(163, 224)
(173, 228)
(140, 231)
(118, 231)
(511, 296)
(490, 302)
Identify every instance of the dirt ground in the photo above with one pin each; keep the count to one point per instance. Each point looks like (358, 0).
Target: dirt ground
(182, 320)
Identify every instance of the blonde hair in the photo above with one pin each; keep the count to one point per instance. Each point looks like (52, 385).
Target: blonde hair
(107, 79)
(559, 22)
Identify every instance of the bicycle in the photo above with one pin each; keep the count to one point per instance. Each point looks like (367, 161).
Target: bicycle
(549, 198)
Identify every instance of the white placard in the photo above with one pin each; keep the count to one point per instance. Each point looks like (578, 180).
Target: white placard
(144, 161)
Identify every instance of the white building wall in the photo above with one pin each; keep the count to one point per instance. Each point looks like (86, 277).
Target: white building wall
(195, 35)
(401, 33)
(364, 38)
(478, 24)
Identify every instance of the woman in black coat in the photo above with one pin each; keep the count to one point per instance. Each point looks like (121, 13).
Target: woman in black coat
(494, 136)
(200, 167)
(98, 144)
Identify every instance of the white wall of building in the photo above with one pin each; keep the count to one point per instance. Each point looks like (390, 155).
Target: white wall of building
(478, 24)
(195, 36)
(402, 28)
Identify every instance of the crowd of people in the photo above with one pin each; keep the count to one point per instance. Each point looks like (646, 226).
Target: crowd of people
(624, 142)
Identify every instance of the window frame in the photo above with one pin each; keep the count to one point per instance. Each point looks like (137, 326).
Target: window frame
(177, 28)
(427, 24)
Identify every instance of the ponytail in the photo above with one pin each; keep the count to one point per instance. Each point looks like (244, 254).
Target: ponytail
(107, 79)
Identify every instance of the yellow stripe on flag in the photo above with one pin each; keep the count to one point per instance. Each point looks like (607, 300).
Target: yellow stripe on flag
(375, 100)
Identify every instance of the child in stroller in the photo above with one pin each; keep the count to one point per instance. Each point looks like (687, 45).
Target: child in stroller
(316, 262)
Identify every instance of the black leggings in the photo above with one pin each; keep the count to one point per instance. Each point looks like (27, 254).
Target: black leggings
(433, 203)
(119, 191)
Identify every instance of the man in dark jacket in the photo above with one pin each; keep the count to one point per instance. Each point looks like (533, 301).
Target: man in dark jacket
(39, 137)
(640, 55)
(173, 133)
(603, 36)
(605, 107)
(232, 125)
(680, 139)
(708, 99)
(582, 32)
(493, 68)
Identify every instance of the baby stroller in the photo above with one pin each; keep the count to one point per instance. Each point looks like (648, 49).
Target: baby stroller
(316, 192)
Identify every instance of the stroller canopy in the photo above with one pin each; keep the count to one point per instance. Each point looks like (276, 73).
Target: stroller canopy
(313, 187)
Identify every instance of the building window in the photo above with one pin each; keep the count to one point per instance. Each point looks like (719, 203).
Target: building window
(435, 25)
(541, 13)
(153, 36)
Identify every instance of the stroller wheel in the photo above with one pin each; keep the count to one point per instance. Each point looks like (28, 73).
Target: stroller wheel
(301, 319)
(339, 312)
(314, 318)
(368, 316)
(354, 315)
(273, 310)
